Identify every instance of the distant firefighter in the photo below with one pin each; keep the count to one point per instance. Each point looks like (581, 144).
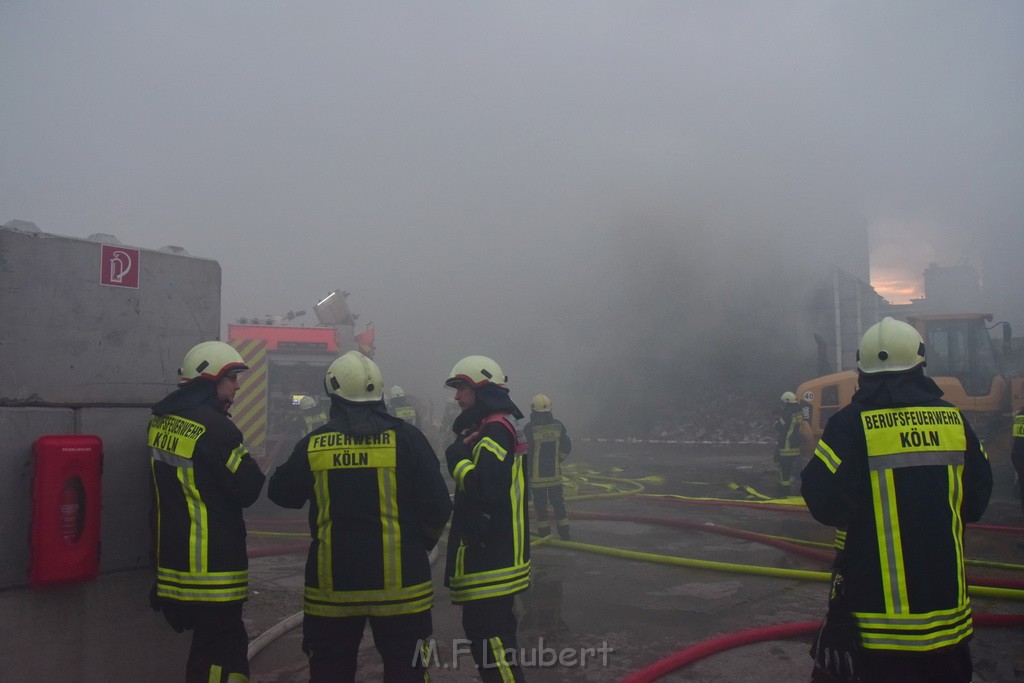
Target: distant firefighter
(313, 417)
(901, 471)
(401, 407)
(791, 431)
(548, 445)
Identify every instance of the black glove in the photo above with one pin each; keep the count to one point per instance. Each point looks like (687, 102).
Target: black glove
(836, 648)
(835, 652)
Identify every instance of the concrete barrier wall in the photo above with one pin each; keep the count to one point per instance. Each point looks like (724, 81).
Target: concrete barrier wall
(92, 336)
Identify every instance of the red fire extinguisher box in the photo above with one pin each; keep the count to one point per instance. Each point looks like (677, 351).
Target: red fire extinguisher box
(65, 544)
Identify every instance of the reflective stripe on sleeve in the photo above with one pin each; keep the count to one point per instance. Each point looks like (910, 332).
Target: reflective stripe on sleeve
(235, 459)
(828, 456)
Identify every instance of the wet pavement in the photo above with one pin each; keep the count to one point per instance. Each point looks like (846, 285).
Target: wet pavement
(601, 607)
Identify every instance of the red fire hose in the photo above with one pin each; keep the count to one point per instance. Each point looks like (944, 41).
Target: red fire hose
(715, 645)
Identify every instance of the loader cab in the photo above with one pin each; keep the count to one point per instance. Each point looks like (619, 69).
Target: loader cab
(961, 358)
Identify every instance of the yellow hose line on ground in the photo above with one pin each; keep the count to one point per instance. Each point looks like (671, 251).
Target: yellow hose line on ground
(279, 534)
(995, 565)
(795, 501)
(688, 562)
(829, 546)
(802, 574)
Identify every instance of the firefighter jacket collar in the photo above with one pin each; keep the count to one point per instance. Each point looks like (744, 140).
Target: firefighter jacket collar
(192, 395)
(897, 388)
(542, 418)
(348, 417)
(490, 398)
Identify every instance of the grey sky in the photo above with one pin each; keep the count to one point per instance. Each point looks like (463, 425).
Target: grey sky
(520, 165)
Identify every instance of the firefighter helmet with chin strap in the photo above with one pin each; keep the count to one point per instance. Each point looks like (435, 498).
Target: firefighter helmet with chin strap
(540, 404)
(210, 360)
(354, 377)
(476, 371)
(890, 346)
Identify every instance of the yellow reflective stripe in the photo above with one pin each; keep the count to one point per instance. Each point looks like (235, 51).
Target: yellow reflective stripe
(237, 678)
(391, 533)
(840, 539)
(1018, 426)
(460, 560)
(169, 458)
(197, 528)
(491, 576)
(383, 602)
(499, 660)
(206, 578)
(461, 470)
(517, 495)
(215, 672)
(235, 459)
(324, 529)
(956, 497)
(491, 445)
(892, 461)
(889, 538)
(915, 632)
(159, 517)
(205, 587)
(489, 584)
(828, 456)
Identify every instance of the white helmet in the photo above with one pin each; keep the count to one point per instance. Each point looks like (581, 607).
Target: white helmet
(210, 360)
(396, 392)
(354, 377)
(788, 397)
(890, 346)
(307, 402)
(540, 404)
(476, 371)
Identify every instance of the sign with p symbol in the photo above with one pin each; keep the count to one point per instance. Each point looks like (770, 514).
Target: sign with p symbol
(119, 266)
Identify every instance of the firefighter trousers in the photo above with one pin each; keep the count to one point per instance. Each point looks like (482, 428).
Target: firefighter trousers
(220, 646)
(332, 646)
(490, 626)
(541, 497)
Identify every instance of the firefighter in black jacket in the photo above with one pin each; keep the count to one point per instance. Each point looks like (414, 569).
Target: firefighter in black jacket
(901, 471)
(489, 541)
(790, 432)
(548, 445)
(1017, 454)
(377, 506)
(203, 477)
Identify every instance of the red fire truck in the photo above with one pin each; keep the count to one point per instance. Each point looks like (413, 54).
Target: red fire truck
(287, 364)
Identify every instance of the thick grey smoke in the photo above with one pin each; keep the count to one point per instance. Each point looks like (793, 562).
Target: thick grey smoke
(617, 201)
